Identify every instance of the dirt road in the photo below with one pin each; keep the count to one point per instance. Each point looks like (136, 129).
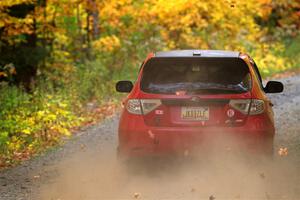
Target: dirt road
(86, 168)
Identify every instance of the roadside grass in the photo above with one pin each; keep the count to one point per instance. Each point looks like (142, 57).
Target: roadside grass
(289, 59)
(31, 129)
(33, 122)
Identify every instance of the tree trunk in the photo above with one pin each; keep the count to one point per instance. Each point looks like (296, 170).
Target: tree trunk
(88, 38)
(95, 15)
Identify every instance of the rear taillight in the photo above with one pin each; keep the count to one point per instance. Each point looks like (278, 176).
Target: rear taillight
(142, 106)
(149, 104)
(241, 105)
(245, 106)
(134, 106)
(257, 107)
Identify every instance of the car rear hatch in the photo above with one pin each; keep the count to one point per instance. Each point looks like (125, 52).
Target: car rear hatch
(195, 91)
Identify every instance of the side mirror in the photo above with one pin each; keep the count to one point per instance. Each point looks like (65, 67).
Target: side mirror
(124, 86)
(273, 87)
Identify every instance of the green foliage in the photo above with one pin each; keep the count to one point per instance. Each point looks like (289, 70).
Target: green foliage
(92, 81)
(31, 121)
(293, 51)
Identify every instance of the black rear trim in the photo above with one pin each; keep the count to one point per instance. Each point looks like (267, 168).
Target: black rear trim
(190, 102)
(198, 52)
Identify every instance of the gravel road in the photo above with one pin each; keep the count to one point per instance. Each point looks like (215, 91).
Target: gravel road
(86, 168)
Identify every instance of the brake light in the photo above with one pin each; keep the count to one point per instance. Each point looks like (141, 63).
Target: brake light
(142, 106)
(245, 106)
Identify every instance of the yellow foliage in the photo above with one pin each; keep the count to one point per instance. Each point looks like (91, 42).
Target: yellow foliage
(107, 44)
(26, 131)
(218, 22)
(8, 3)
(3, 74)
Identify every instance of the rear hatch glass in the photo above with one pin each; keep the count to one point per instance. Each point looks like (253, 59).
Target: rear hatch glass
(189, 91)
(195, 76)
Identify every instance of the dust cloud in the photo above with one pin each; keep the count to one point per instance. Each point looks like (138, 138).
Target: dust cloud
(215, 174)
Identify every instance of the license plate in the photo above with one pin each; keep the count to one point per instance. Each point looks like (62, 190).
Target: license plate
(195, 113)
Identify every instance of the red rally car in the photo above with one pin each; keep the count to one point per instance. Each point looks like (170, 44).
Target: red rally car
(183, 97)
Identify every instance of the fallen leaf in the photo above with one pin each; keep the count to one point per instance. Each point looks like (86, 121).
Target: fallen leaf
(136, 195)
(283, 151)
(36, 176)
(82, 146)
(262, 175)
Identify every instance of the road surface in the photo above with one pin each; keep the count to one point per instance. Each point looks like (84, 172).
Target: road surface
(86, 168)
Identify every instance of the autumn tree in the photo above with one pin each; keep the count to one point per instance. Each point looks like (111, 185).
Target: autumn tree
(19, 39)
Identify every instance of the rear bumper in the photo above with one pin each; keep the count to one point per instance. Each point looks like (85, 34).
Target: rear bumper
(138, 139)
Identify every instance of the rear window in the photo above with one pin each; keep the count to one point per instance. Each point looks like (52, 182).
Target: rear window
(195, 76)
